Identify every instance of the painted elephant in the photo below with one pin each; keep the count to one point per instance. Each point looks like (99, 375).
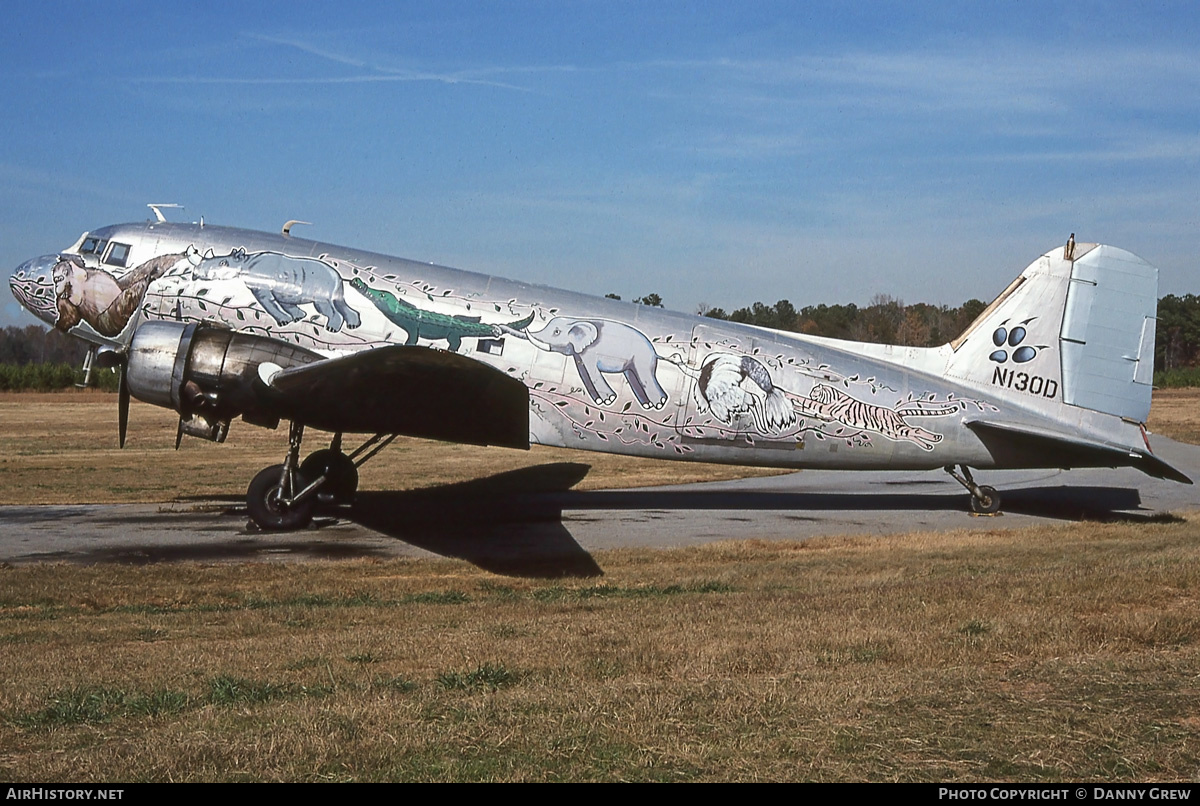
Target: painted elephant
(600, 347)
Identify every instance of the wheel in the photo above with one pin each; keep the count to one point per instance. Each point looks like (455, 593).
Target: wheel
(990, 503)
(267, 508)
(342, 483)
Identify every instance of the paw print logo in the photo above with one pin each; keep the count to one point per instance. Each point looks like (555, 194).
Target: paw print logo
(1004, 337)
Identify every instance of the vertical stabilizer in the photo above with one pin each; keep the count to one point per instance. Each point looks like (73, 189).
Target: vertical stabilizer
(1076, 328)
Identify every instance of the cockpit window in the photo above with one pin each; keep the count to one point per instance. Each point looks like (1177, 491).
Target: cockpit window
(118, 254)
(93, 246)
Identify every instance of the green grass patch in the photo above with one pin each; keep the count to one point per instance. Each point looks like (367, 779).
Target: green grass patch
(487, 676)
(229, 690)
(438, 598)
(975, 628)
(558, 592)
(92, 705)
(46, 608)
(395, 683)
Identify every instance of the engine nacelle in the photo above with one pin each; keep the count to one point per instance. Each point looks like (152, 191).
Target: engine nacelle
(207, 374)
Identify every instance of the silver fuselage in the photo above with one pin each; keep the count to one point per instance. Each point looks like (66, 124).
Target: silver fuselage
(602, 374)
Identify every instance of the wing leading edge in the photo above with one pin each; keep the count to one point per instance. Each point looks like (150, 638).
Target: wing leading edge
(413, 391)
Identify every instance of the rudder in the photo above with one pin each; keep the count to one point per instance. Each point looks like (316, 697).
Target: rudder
(1107, 337)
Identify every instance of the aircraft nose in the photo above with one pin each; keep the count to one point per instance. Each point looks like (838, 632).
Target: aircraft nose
(33, 286)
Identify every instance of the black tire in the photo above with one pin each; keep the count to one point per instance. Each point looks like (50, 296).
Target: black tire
(342, 483)
(266, 508)
(991, 503)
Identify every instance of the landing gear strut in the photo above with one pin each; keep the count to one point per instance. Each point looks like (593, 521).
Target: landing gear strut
(984, 499)
(283, 497)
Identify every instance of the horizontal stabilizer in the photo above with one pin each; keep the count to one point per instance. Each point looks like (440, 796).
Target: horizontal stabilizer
(1005, 440)
(413, 391)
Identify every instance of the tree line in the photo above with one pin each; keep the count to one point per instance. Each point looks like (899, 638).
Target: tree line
(889, 321)
(885, 321)
(34, 344)
(26, 353)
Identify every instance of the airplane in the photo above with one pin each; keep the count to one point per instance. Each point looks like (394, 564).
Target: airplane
(218, 323)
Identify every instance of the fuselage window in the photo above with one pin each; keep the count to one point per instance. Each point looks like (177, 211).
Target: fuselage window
(117, 255)
(93, 246)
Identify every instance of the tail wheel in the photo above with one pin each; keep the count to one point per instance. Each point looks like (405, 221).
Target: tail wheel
(270, 505)
(341, 475)
(988, 503)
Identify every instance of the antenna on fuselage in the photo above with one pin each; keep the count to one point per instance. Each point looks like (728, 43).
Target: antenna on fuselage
(287, 228)
(157, 208)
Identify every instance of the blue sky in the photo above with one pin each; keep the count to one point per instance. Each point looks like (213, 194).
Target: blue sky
(711, 153)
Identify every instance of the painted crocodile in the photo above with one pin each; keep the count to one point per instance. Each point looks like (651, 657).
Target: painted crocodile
(422, 324)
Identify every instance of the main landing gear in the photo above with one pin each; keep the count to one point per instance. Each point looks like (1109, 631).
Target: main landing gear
(984, 499)
(283, 497)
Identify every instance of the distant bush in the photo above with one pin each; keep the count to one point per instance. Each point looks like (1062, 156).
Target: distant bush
(50, 378)
(105, 380)
(36, 377)
(34, 344)
(1175, 378)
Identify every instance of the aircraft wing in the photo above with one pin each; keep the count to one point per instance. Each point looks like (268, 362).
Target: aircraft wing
(1005, 439)
(413, 391)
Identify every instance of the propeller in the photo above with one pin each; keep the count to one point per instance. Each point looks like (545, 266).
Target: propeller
(112, 358)
(122, 404)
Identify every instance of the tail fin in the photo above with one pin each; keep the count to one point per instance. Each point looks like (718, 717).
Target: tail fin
(1076, 328)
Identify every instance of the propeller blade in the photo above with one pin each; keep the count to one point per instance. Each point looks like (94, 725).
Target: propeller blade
(122, 406)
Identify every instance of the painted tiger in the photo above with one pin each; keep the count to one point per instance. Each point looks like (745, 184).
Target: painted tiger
(829, 403)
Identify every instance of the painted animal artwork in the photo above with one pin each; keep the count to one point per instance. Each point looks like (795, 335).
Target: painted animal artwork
(418, 323)
(602, 347)
(281, 284)
(828, 403)
(102, 300)
(732, 385)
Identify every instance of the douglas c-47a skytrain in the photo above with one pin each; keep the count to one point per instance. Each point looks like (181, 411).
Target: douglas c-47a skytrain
(218, 323)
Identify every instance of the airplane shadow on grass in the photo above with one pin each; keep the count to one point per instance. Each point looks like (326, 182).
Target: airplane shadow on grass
(512, 523)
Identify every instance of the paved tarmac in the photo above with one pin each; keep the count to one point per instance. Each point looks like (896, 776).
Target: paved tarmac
(530, 521)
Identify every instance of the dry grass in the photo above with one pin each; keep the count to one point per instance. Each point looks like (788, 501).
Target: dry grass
(1176, 414)
(61, 448)
(1063, 653)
